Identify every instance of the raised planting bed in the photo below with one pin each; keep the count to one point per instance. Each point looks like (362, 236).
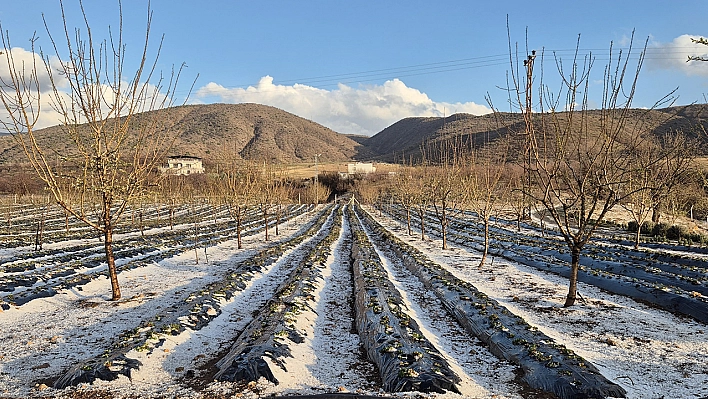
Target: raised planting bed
(677, 288)
(544, 363)
(406, 360)
(194, 312)
(66, 266)
(268, 334)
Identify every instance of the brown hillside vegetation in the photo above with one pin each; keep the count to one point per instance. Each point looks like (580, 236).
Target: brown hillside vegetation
(248, 131)
(404, 139)
(264, 133)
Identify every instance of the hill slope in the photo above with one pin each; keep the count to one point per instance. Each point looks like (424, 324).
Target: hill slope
(248, 131)
(404, 139)
(264, 133)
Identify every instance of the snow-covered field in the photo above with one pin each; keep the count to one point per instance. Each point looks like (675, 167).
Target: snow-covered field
(649, 352)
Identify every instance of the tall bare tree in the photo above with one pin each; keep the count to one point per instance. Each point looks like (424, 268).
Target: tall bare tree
(580, 158)
(113, 152)
(674, 165)
(283, 196)
(442, 172)
(444, 187)
(268, 188)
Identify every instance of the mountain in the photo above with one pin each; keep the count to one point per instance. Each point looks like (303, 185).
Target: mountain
(258, 132)
(406, 139)
(264, 133)
(248, 131)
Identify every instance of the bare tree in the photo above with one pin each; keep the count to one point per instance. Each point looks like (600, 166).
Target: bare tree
(444, 158)
(674, 163)
(444, 188)
(641, 184)
(487, 186)
(267, 189)
(283, 194)
(421, 199)
(236, 184)
(367, 191)
(113, 152)
(406, 191)
(581, 160)
(660, 165)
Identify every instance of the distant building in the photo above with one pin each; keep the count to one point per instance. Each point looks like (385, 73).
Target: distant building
(360, 168)
(183, 165)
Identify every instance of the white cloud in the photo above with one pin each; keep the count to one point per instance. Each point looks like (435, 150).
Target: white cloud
(673, 55)
(24, 62)
(366, 109)
(30, 68)
(47, 106)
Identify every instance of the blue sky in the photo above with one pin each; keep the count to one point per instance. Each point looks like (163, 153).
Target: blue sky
(358, 66)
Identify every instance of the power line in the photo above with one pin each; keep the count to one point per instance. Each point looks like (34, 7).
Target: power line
(598, 54)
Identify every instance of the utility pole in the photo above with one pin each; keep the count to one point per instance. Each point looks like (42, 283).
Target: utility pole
(529, 132)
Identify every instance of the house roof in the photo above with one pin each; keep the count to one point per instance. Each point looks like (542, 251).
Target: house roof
(184, 157)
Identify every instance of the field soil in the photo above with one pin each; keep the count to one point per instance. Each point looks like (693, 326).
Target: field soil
(302, 281)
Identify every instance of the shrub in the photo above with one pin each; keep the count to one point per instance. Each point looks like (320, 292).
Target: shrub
(676, 232)
(632, 226)
(647, 227)
(660, 230)
(698, 238)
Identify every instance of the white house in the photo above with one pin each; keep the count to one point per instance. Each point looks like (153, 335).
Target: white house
(183, 165)
(360, 168)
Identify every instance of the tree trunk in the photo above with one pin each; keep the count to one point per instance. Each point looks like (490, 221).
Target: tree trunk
(196, 243)
(408, 220)
(573, 284)
(36, 238)
(443, 228)
(265, 222)
(108, 247)
(41, 226)
(655, 214)
(422, 224)
(485, 251)
(111, 261)
(142, 228)
(518, 222)
(636, 236)
(239, 216)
